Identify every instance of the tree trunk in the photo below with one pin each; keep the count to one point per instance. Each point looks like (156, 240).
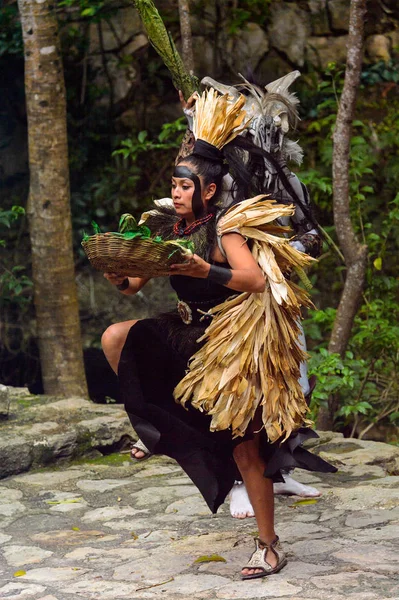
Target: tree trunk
(186, 37)
(355, 254)
(164, 45)
(55, 294)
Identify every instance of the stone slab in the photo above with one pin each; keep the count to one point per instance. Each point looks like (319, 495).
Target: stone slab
(19, 590)
(273, 588)
(42, 430)
(49, 478)
(378, 557)
(364, 497)
(47, 575)
(4, 401)
(101, 485)
(17, 556)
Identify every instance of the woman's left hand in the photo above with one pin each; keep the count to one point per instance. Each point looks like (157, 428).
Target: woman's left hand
(194, 267)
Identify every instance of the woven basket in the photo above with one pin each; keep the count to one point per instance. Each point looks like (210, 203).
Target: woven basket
(135, 257)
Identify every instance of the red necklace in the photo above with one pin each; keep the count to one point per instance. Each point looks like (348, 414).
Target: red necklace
(179, 230)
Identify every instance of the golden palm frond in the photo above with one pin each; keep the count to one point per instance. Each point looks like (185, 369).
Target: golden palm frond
(219, 119)
(251, 354)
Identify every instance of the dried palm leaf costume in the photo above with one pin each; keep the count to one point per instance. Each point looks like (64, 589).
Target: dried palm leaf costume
(251, 357)
(192, 380)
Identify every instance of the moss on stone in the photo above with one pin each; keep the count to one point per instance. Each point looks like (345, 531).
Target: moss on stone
(113, 459)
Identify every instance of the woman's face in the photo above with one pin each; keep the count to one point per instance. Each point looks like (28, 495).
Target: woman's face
(183, 190)
(182, 195)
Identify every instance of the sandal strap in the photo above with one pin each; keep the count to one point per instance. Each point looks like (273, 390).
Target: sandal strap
(258, 561)
(258, 558)
(140, 446)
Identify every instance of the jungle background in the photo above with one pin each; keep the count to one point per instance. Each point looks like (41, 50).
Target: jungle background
(125, 125)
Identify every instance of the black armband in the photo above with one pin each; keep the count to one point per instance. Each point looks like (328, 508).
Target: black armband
(124, 285)
(219, 275)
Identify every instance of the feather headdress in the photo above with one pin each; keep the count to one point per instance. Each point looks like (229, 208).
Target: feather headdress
(274, 106)
(219, 118)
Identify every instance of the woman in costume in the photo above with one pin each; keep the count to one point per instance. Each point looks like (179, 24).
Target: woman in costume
(248, 395)
(273, 112)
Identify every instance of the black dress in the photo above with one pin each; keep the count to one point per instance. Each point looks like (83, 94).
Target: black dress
(153, 361)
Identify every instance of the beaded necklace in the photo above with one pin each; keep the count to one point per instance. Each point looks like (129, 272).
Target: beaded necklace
(179, 230)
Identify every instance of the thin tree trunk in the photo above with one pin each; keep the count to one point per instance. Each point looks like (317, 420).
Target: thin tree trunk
(55, 294)
(186, 37)
(355, 254)
(164, 45)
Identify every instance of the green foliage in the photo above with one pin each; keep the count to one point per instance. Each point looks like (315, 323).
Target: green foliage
(89, 9)
(7, 217)
(139, 172)
(364, 383)
(380, 72)
(13, 282)
(381, 242)
(256, 11)
(10, 31)
(13, 285)
(341, 377)
(169, 137)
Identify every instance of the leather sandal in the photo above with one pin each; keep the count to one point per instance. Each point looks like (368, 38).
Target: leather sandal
(140, 446)
(258, 559)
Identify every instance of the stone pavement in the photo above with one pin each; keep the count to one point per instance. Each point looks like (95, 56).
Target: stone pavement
(110, 529)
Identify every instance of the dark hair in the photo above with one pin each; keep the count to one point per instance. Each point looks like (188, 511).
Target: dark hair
(246, 165)
(247, 168)
(210, 171)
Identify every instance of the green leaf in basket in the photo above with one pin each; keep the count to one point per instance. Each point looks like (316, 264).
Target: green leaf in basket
(186, 244)
(96, 228)
(173, 253)
(130, 235)
(145, 231)
(130, 229)
(127, 223)
(142, 232)
(157, 239)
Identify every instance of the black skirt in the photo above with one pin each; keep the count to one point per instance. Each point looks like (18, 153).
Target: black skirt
(153, 361)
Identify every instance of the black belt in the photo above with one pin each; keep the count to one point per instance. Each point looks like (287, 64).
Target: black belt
(195, 311)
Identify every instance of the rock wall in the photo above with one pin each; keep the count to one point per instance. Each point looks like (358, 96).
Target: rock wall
(307, 35)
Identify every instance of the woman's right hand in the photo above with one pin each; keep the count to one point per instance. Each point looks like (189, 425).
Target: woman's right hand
(114, 278)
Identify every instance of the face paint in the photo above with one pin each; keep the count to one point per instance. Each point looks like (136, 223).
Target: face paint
(181, 171)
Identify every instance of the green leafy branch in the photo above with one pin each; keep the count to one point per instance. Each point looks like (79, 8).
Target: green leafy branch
(170, 137)
(7, 217)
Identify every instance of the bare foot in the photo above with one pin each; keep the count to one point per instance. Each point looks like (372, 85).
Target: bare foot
(137, 454)
(139, 451)
(240, 505)
(291, 487)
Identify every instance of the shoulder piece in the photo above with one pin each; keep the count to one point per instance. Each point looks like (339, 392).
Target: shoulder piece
(252, 354)
(160, 219)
